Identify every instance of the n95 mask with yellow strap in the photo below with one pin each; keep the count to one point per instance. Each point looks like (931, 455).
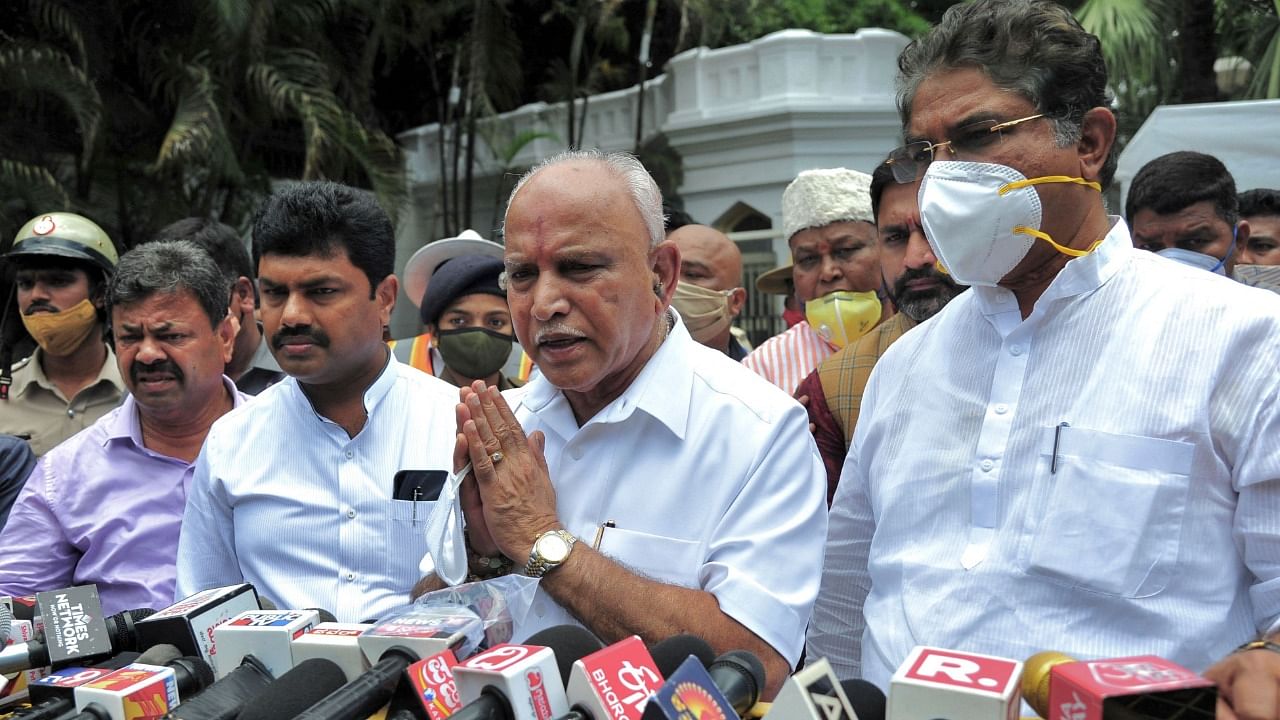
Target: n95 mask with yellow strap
(981, 219)
(842, 317)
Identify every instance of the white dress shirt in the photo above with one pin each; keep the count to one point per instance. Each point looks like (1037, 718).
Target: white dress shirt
(1153, 529)
(284, 499)
(710, 477)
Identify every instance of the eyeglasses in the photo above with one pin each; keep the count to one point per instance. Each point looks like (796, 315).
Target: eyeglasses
(910, 160)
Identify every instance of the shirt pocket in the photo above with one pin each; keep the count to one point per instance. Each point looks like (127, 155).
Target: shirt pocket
(406, 537)
(1111, 520)
(670, 560)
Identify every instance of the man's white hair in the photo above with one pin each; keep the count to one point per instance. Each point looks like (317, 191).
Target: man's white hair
(624, 166)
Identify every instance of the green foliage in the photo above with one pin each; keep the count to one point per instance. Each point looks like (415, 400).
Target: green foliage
(729, 22)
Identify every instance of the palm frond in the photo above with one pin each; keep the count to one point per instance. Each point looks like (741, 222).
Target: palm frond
(55, 19)
(197, 135)
(1135, 43)
(35, 185)
(1266, 74)
(44, 70)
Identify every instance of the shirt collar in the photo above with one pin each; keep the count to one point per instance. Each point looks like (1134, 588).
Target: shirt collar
(661, 390)
(127, 426)
(1079, 276)
(108, 373)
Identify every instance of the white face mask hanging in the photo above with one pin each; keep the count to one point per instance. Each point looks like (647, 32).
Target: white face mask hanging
(446, 546)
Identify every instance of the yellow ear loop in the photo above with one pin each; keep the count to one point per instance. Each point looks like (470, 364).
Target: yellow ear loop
(1023, 229)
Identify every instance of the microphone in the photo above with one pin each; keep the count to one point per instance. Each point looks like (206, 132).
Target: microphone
(188, 624)
(367, 693)
(569, 643)
(1143, 687)
(669, 653)
(267, 634)
(293, 692)
(955, 685)
(614, 682)
(335, 642)
(689, 687)
(223, 699)
(814, 693)
(75, 633)
(866, 699)
(54, 694)
(740, 676)
(510, 682)
(138, 690)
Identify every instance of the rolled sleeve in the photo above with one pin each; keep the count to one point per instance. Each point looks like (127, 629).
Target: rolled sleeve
(37, 555)
(764, 562)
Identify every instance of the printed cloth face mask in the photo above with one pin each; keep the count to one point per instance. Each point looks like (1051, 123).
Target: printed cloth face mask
(843, 316)
(981, 219)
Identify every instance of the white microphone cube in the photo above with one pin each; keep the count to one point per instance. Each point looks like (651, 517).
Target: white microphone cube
(133, 692)
(268, 635)
(336, 642)
(189, 623)
(424, 631)
(937, 683)
(526, 675)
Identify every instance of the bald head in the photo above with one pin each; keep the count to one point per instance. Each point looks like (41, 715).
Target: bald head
(708, 258)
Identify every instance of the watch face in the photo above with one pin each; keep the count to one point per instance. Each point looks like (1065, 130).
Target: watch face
(553, 549)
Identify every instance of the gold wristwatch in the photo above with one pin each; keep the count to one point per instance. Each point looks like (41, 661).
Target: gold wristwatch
(550, 550)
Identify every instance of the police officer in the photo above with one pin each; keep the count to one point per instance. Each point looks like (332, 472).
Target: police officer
(59, 264)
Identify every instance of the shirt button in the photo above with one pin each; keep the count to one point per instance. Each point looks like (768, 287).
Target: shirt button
(71, 413)
(1016, 350)
(576, 453)
(351, 512)
(987, 465)
(351, 577)
(1002, 409)
(351, 454)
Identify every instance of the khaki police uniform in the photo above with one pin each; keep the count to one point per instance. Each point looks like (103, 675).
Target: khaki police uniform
(38, 412)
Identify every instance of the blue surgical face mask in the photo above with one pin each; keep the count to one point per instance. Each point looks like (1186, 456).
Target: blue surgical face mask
(1201, 260)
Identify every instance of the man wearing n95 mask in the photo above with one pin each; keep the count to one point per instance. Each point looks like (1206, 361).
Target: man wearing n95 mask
(826, 216)
(1079, 452)
(710, 294)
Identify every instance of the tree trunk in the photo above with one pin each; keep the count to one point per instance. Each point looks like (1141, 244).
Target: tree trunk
(1198, 81)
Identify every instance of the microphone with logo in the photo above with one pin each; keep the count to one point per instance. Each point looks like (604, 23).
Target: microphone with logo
(141, 690)
(814, 693)
(936, 683)
(75, 633)
(730, 686)
(1143, 687)
(613, 683)
(189, 623)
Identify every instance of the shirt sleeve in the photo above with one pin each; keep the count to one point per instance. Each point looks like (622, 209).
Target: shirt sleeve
(835, 631)
(37, 555)
(765, 557)
(1257, 517)
(206, 546)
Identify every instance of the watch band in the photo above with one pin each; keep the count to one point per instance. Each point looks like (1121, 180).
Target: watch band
(538, 565)
(1259, 645)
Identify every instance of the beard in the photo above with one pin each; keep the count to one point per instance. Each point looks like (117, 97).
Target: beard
(920, 305)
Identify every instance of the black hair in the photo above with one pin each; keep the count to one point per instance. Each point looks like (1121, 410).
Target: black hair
(1035, 48)
(221, 241)
(322, 218)
(170, 267)
(1179, 180)
(1260, 201)
(881, 177)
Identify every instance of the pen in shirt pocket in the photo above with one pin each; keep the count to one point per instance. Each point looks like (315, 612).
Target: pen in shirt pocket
(600, 533)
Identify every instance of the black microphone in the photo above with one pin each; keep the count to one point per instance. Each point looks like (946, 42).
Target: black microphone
(867, 700)
(53, 695)
(363, 696)
(189, 623)
(110, 636)
(293, 692)
(570, 644)
(668, 654)
(740, 676)
(222, 700)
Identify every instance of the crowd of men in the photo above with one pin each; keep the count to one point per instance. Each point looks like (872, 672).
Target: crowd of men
(1008, 421)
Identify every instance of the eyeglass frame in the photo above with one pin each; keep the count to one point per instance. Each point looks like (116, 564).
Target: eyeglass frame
(899, 164)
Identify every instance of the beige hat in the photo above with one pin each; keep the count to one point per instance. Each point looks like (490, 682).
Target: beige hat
(775, 282)
(417, 272)
(821, 197)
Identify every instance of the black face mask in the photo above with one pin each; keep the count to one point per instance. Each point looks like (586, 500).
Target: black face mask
(474, 353)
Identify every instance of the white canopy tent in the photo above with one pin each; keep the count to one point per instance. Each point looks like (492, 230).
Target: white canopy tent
(1245, 136)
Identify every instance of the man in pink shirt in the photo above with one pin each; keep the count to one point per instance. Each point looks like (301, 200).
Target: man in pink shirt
(105, 506)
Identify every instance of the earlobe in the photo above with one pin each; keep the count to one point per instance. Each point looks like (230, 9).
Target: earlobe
(1097, 136)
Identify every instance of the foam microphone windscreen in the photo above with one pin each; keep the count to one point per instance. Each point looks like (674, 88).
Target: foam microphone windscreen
(668, 654)
(309, 682)
(159, 654)
(121, 630)
(740, 676)
(570, 643)
(867, 700)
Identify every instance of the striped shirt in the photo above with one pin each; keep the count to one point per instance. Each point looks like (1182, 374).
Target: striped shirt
(785, 359)
(1101, 478)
